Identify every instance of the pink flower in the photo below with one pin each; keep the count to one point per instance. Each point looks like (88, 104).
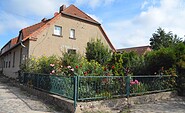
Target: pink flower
(136, 81)
(69, 67)
(52, 65)
(53, 71)
(72, 69)
(132, 82)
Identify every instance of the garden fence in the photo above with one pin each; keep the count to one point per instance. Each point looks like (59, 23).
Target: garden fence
(82, 88)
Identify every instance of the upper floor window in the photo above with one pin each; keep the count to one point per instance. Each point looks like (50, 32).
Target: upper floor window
(58, 30)
(72, 33)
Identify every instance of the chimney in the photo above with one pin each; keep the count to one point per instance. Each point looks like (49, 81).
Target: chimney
(44, 19)
(62, 8)
(56, 13)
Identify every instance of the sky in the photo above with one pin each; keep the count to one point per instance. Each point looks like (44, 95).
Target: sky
(128, 23)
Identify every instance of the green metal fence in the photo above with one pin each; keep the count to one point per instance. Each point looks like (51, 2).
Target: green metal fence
(81, 88)
(63, 86)
(151, 84)
(100, 87)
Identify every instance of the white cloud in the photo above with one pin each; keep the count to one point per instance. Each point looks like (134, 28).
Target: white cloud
(144, 4)
(37, 7)
(138, 30)
(10, 22)
(94, 3)
(18, 14)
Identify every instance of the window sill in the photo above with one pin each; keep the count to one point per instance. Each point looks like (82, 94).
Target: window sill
(72, 38)
(57, 35)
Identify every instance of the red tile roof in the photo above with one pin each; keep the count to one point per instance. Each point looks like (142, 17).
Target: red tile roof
(75, 12)
(139, 50)
(29, 30)
(14, 41)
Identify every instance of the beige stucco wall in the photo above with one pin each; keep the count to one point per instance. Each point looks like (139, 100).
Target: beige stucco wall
(47, 44)
(12, 71)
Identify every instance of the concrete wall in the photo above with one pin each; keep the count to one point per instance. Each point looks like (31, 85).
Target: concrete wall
(105, 106)
(48, 44)
(120, 104)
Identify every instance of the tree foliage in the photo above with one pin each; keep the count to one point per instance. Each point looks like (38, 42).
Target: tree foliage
(161, 39)
(97, 51)
(160, 60)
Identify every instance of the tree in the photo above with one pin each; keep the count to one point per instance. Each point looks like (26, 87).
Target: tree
(96, 50)
(162, 39)
(160, 60)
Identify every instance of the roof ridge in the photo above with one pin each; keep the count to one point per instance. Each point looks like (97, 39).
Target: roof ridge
(85, 13)
(36, 24)
(135, 47)
(81, 12)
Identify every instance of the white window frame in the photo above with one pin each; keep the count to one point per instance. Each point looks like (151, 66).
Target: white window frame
(72, 33)
(57, 30)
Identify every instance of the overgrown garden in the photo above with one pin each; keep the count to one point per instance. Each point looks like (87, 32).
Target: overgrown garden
(167, 58)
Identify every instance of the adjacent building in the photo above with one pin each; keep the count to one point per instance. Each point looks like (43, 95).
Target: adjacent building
(69, 30)
(141, 50)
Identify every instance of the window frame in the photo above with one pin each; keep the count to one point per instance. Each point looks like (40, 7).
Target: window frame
(72, 36)
(55, 31)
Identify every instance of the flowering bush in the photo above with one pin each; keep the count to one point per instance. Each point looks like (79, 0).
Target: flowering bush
(86, 68)
(137, 87)
(75, 65)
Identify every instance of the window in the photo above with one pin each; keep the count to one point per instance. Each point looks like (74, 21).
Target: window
(20, 62)
(58, 30)
(71, 51)
(72, 33)
(4, 64)
(9, 64)
(13, 59)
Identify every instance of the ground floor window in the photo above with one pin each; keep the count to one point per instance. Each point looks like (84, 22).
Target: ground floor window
(71, 51)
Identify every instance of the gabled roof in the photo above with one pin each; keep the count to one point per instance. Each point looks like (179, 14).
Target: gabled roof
(72, 11)
(75, 12)
(141, 50)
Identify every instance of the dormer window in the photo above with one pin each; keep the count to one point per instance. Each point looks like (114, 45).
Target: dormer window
(58, 30)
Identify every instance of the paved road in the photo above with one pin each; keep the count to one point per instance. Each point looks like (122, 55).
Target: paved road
(174, 105)
(14, 100)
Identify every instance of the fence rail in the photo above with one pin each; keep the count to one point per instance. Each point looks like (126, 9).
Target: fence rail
(81, 88)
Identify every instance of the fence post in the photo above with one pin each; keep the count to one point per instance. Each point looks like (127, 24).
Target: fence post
(75, 91)
(127, 86)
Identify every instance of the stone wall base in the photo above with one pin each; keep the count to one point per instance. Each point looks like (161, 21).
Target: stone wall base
(118, 105)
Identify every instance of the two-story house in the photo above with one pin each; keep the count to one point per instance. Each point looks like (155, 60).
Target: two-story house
(69, 30)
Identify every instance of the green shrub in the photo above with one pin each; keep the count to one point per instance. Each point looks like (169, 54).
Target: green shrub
(97, 51)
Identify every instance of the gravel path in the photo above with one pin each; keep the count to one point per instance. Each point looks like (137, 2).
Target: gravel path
(174, 105)
(14, 100)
